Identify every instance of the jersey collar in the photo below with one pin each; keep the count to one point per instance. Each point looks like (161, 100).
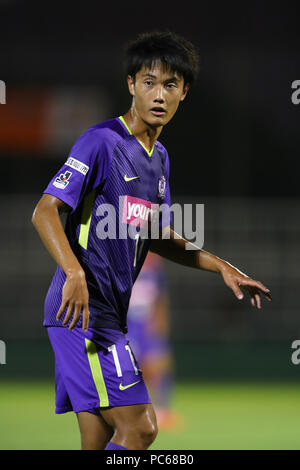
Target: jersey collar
(131, 133)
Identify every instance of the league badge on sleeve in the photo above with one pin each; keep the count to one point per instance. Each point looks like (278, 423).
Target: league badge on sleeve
(63, 180)
(161, 187)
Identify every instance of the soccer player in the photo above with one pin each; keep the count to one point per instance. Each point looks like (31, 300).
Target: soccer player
(117, 170)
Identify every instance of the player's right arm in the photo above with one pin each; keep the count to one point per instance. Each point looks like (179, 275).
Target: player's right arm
(46, 220)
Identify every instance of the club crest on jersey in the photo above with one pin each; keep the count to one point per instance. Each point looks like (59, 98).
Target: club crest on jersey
(62, 180)
(162, 187)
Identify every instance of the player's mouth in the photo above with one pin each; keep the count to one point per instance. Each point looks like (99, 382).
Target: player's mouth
(158, 111)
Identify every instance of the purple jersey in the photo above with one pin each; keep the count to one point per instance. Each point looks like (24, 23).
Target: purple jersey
(112, 184)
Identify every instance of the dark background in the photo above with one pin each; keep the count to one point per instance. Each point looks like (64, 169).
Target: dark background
(237, 127)
(233, 145)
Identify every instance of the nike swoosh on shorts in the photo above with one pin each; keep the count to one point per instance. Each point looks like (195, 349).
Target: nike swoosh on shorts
(124, 387)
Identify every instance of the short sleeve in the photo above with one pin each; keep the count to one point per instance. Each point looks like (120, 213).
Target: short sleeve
(86, 168)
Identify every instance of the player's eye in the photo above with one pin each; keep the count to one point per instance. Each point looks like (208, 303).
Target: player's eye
(148, 82)
(171, 85)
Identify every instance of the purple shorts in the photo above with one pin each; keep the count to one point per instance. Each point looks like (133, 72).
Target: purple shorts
(96, 369)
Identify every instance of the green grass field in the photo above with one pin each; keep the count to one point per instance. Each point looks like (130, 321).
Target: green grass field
(217, 416)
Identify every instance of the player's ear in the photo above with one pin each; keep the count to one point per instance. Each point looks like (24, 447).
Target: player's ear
(131, 83)
(184, 91)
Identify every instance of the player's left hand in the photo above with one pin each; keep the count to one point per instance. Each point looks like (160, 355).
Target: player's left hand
(235, 279)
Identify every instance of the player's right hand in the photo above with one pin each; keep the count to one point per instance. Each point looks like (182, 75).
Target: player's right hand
(75, 296)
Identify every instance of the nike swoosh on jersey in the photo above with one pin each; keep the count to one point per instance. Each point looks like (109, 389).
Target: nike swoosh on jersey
(124, 387)
(126, 178)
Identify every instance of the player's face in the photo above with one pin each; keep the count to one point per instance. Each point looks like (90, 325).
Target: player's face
(157, 94)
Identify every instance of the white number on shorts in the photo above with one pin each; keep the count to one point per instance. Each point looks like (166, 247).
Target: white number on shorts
(132, 359)
(113, 349)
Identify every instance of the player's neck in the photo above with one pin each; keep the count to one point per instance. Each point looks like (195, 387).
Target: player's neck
(146, 134)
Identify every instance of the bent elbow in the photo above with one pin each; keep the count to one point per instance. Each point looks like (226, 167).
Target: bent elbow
(34, 217)
(38, 212)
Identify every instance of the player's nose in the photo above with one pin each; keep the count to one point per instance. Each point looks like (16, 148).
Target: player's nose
(159, 95)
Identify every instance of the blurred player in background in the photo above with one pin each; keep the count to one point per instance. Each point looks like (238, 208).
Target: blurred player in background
(148, 322)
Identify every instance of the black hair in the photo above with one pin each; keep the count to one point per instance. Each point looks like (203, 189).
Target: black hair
(174, 52)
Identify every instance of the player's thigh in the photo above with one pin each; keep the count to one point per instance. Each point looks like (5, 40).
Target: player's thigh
(94, 430)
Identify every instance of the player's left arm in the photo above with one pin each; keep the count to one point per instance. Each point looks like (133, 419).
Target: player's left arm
(174, 249)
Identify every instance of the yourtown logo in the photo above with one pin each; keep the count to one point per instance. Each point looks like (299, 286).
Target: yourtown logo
(137, 211)
(2, 92)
